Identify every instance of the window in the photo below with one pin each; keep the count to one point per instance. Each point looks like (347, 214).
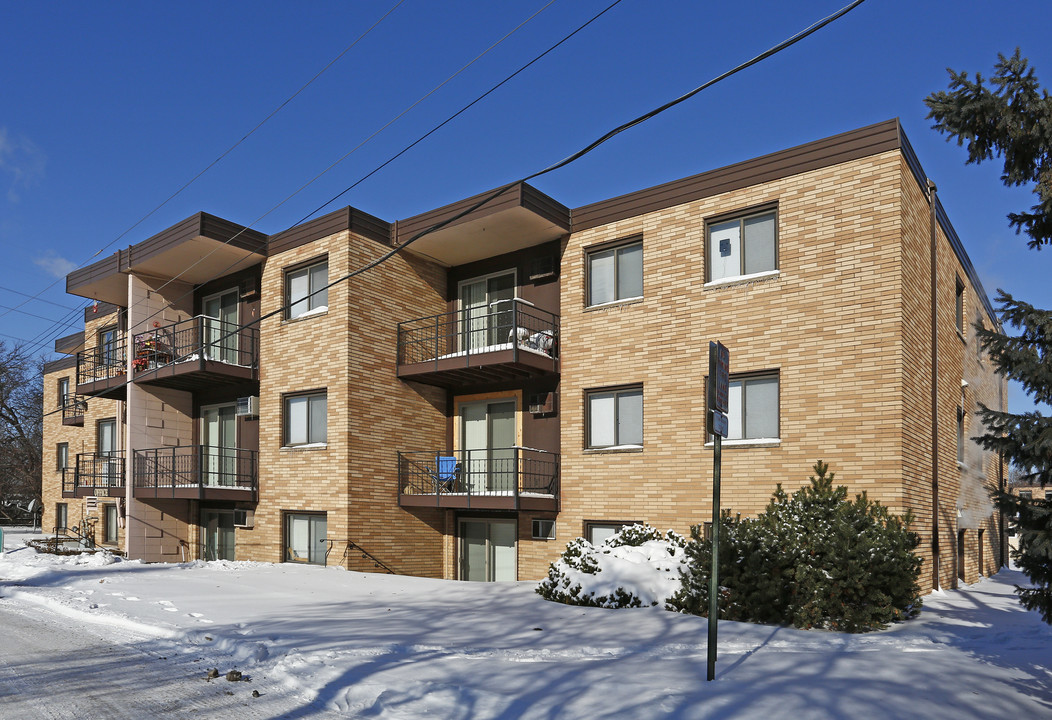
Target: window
(303, 289)
(62, 456)
(1026, 494)
(1048, 494)
(960, 435)
(742, 246)
(109, 524)
(305, 538)
(305, 419)
(61, 516)
(959, 307)
(543, 529)
(63, 391)
(597, 532)
(752, 408)
(615, 274)
(108, 349)
(615, 418)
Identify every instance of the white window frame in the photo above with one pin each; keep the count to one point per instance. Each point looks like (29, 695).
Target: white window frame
(615, 526)
(110, 524)
(616, 250)
(711, 250)
(617, 393)
(62, 456)
(62, 516)
(307, 302)
(313, 435)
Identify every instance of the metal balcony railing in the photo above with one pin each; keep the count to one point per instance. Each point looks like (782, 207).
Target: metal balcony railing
(199, 338)
(74, 407)
(103, 362)
(176, 470)
(99, 470)
(493, 472)
(503, 325)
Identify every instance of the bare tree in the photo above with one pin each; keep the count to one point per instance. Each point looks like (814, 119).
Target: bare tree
(21, 424)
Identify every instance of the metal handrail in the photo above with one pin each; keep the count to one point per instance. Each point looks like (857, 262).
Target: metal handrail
(508, 471)
(73, 406)
(468, 332)
(103, 362)
(195, 466)
(99, 470)
(199, 338)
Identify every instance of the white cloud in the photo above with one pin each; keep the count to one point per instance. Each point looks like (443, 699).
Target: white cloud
(54, 264)
(21, 164)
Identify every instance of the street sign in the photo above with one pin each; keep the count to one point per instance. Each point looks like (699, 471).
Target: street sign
(719, 377)
(718, 424)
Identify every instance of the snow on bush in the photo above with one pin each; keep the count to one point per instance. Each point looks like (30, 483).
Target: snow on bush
(636, 567)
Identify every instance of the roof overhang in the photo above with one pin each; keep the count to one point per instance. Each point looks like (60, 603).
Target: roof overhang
(517, 218)
(193, 251)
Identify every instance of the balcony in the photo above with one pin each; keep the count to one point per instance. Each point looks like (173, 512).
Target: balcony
(508, 340)
(73, 409)
(514, 478)
(196, 472)
(98, 473)
(101, 370)
(196, 353)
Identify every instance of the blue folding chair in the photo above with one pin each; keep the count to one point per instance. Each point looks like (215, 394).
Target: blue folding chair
(447, 473)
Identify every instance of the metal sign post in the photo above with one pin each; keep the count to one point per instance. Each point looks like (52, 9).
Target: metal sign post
(716, 416)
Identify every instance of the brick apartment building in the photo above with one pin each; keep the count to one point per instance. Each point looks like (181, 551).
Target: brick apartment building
(530, 373)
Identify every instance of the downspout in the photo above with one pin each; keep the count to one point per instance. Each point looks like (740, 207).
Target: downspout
(934, 392)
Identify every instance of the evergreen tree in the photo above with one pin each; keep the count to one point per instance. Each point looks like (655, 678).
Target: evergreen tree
(1012, 119)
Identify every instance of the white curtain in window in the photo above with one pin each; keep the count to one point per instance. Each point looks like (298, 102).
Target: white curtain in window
(601, 419)
(759, 244)
(297, 421)
(601, 271)
(299, 285)
(734, 410)
(630, 418)
(725, 250)
(630, 272)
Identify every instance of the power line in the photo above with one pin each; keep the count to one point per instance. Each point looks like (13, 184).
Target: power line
(189, 182)
(223, 271)
(792, 40)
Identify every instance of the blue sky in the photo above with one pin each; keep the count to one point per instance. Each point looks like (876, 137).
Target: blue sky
(108, 108)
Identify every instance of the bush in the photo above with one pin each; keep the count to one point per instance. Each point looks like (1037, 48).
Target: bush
(633, 568)
(813, 560)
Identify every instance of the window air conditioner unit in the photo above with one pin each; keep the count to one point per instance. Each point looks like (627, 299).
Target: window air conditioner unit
(248, 406)
(244, 518)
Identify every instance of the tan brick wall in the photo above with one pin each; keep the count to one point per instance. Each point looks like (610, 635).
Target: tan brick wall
(838, 323)
(80, 439)
(350, 352)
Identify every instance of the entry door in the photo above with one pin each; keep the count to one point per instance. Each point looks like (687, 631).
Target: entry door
(217, 535)
(219, 443)
(488, 445)
(220, 311)
(487, 550)
(487, 310)
(106, 447)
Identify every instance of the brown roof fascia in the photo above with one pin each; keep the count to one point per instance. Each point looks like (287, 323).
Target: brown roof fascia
(66, 363)
(519, 195)
(348, 218)
(202, 224)
(844, 147)
(69, 343)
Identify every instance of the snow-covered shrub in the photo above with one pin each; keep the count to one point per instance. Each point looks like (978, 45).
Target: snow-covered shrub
(634, 568)
(815, 559)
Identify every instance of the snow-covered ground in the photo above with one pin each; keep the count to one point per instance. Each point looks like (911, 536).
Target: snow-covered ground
(339, 643)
